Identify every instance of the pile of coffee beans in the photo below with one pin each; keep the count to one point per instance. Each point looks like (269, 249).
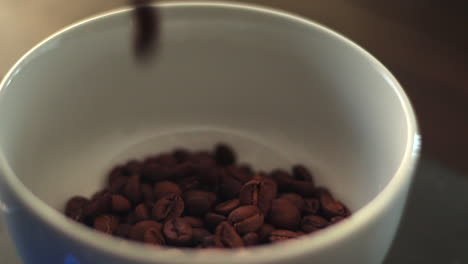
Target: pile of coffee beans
(206, 200)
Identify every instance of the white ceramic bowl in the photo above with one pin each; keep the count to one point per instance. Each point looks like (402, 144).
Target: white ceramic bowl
(280, 88)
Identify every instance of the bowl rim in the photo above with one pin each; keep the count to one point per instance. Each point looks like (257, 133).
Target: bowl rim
(275, 252)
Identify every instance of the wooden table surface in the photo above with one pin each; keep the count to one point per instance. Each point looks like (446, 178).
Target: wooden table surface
(423, 42)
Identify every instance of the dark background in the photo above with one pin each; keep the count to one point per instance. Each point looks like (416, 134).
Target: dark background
(423, 42)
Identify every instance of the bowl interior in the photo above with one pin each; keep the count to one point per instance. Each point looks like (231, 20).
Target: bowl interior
(281, 91)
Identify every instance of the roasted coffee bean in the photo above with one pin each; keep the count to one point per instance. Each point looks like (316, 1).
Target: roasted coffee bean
(130, 218)
(156, 172)
(208, 242)
(336, 219)
(227, 207)
(203, 159)
(123, 230)
(153, 236)
(120, 204)
(177, 232)
(268, 190)
(198, 235)
(138, 230)
(165, 159)
(284, 214)
(311, 206)
(195, 222)
(181, 155)
(227, 237)
(100, 204)
(213, 194)
(302, 173)
(189, 183)
(169, 206)
(313, 223)
(330, 207)
(142, 212)
(260, 192)
(282, 235)
(210, 177)
(132, 189)
(165, 187)
(106, 223)
(250, 239)
(116, 172)
(246, 171)
(264, 232)
(246, 219)
(212, 220)
(287, 184)
(184, 170)
(117, 184)
(147, 193)
(133, 167)
(294, 198)
(229, 187)
(75, 208)
(199, 202)
(102, 193)
(224, 155)
(239, 174)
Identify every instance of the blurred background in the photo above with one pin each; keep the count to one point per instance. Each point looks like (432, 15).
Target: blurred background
(423, 42)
